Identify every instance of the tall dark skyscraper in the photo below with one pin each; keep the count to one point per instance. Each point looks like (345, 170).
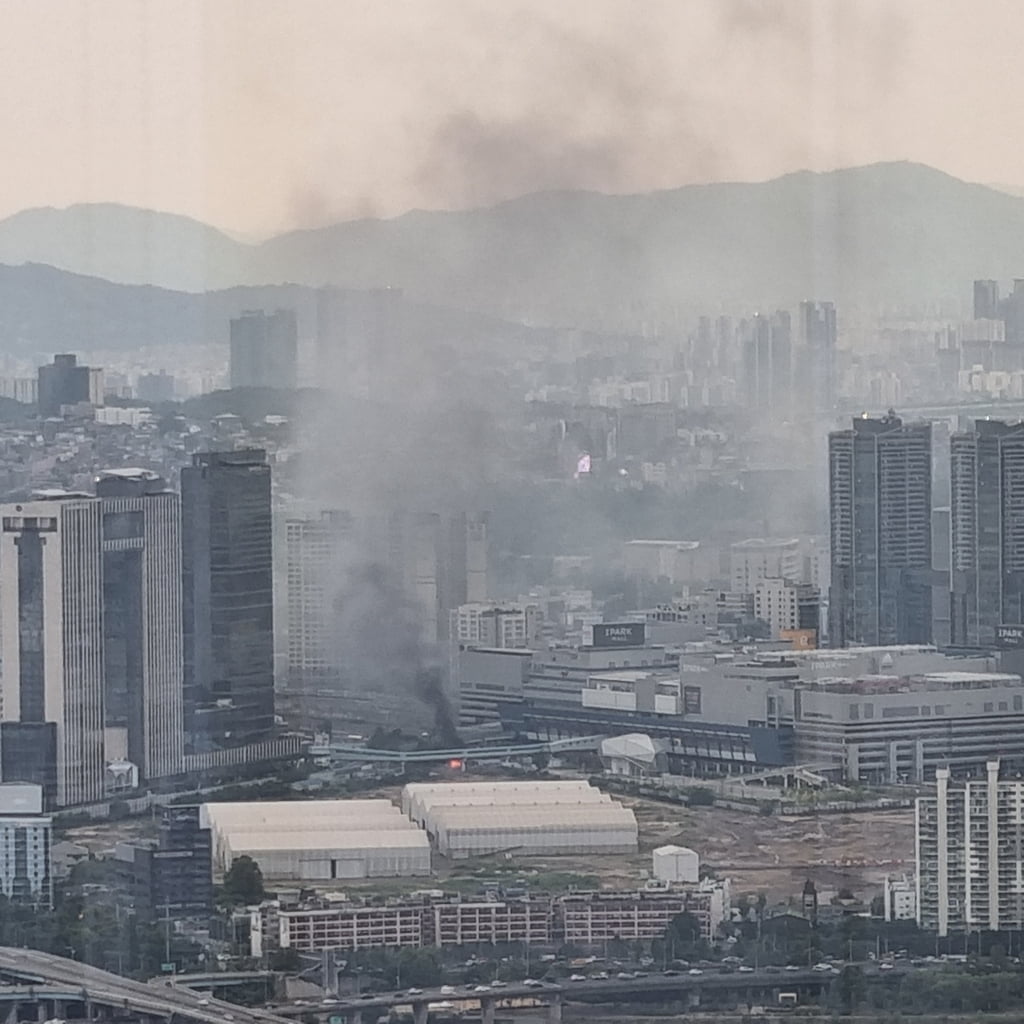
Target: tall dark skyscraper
(987, 527)
(880, 517)
(264, 350)
(818, 340)
(768, 362)
(142, 643)
(227, 568)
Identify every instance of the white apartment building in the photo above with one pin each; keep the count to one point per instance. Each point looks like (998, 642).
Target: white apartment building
(759, 558)
(899, 898)
(25, 844)
(779, 602)
(969, 845)
(482, 624)
(312, 553)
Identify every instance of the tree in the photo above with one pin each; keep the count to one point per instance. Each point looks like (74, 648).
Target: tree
(700, 796)
(684, 929)
(243, 883)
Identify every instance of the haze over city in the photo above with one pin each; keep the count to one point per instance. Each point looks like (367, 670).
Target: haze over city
(511, 513)
(259, 117)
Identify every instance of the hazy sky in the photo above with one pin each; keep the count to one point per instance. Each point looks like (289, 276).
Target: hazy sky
(260, 116)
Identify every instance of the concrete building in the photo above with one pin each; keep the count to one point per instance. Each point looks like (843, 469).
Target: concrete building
(25, 843)
(489, 680)
(817, 336)
(759, 558)
(970, 864)
(51, 646)
(264, 349)
(436, 918)
(64, 383)
(768, 363)
(674, 864)
(170, 877)
(899, 898)
(142, 637)
(593, 918)
(786, 606)
(507, 624)
(880, 499)
(228, 599)
(313, 551)
(987, 529)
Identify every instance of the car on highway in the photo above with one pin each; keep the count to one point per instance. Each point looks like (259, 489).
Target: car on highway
(792, 967)
(481, 988)
(745, 969)
(670, 973)
(694, 971)
(625, 975)
(447, 990)
(577, 977)
(601, 976)
(498, 983)
(886, 967)
(530, 983)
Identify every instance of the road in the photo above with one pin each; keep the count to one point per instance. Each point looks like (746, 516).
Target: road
(43, 977)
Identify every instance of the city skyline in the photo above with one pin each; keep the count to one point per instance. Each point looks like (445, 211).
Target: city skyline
(216, 111)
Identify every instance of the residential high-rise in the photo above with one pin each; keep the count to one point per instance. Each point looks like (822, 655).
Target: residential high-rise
(51, 644)
(64, 382)
(25, 840)
(142, 641)
(228, 599)
(313, 551)
(969, 845)
(818, 341)
(767, 362)
(987, 528)
(880, 519)
(264, 349)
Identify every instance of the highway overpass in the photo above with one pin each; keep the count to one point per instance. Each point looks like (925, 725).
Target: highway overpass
(757, 987)
(68, 990)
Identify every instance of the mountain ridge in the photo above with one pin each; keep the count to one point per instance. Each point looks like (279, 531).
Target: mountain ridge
(879, 235)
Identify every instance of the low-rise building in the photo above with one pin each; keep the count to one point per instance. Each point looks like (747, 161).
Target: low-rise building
(25, 834)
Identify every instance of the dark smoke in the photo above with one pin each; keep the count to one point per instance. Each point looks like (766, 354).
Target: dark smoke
(381, 646)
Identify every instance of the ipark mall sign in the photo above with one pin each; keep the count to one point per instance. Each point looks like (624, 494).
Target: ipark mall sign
(619, 634)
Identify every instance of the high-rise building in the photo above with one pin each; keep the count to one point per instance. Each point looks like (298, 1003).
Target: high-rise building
(767, 362)
(26, 870)
(63, 382)
(818, 341)
(51, 643)
(986, 300)
(264, 349)
(880, 518)
(313, 551)
(969, 845)
(987, 528)
(142, 641)
(228, 599)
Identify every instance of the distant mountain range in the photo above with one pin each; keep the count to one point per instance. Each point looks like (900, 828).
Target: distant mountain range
(896, 234)
(45, 310)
